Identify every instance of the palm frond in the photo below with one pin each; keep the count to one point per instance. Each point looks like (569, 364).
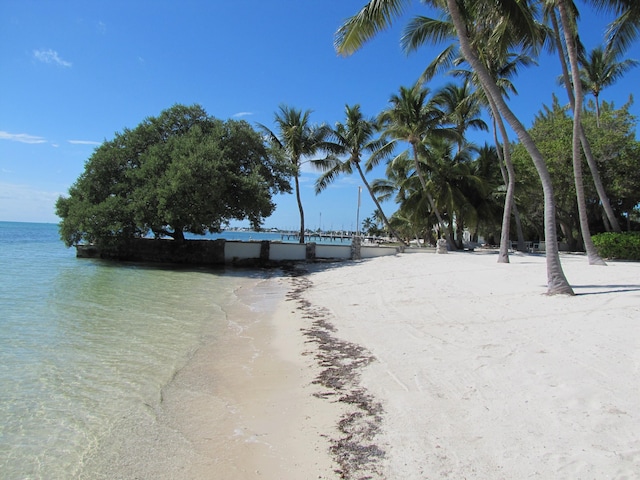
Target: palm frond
(374, 17)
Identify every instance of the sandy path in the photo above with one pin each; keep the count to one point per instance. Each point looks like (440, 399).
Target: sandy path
(483, 376)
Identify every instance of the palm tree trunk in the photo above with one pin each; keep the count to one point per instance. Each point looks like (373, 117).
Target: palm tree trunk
(300, 209)
(510, 180)
(592, 254)
(556, 281)
(586, 147)
(375, 200)
(430, 199)
(508, 175)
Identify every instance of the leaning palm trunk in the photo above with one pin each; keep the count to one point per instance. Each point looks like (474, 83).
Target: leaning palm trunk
(509, 178)
(508, 173)
(586, 147)
(592, 254)
(556, 281)
(375, 200)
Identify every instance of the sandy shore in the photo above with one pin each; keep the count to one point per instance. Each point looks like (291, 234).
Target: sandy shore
(481, 375)
(416, 366)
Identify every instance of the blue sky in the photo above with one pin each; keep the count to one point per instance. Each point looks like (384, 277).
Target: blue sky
(75, 72)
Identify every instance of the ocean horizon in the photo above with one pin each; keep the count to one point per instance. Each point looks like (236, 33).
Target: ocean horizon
(87, 347)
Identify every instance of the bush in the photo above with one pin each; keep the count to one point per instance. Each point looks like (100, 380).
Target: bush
(621, 246)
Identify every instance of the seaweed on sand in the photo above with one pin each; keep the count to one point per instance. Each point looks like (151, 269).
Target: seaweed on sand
(354, 451)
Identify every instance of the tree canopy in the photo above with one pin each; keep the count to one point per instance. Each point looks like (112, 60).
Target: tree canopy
(615, 149)
(182, 171)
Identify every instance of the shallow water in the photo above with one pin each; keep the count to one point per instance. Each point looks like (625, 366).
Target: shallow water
(86, 348)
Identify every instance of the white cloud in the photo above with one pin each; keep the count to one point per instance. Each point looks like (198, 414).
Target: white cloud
(102, 28)
(83, 142)
(242, 114)
(50, 56)
(21, 137)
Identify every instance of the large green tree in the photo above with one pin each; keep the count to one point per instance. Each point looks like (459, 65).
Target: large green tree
(615, 149)
(182, 171)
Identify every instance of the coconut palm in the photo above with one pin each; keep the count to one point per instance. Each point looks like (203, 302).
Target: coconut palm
(349, 142)
(415, 216)
(601, 68)
(550, 12)
(503, 65)
(412, 117)
(298, 139)
(453, 183)
(461, 107)
(569, 28)
(378, 14)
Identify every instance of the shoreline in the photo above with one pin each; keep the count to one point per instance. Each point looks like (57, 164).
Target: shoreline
(414, 366)
(245, 402)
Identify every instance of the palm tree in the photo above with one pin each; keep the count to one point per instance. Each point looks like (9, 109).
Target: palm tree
(570, 36)
(586, 146)
(378, 14)
(453, 183)
(415, 215)
(353, 139)
(502, 64)
(412, 118)
(461, 107)
(298, 139)
(600, 69)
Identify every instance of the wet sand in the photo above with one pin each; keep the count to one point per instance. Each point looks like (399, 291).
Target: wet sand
(246, 404)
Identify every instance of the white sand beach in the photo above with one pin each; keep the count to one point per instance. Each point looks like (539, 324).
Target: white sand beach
(482, 376)
(408, 367)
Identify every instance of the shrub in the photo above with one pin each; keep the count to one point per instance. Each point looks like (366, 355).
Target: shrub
(621, 246)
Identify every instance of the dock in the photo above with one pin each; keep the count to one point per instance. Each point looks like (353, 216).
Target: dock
(325, 237)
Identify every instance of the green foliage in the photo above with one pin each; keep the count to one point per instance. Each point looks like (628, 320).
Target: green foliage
(617, 155)
(182, 171)
(622, 246)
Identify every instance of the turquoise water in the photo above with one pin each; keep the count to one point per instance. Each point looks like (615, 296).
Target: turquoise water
(85, 344)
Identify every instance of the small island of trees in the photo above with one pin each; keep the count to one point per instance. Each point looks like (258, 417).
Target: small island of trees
(180, 172)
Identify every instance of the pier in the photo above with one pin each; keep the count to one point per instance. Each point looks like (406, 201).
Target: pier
(326, 237)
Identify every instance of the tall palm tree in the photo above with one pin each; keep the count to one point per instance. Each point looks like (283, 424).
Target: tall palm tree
(570, 36)
(378, 14)
(297, 138)
(550, 12)
(415, 215)
(412, 117)
(601, 68)
(351, 140)
(523, 18)
(461, 107)
(453, 182)
(502, 64)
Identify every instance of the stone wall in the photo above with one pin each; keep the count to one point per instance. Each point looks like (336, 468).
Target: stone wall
(223, 252)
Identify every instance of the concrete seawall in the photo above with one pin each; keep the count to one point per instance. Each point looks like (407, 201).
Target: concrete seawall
(226, 252)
